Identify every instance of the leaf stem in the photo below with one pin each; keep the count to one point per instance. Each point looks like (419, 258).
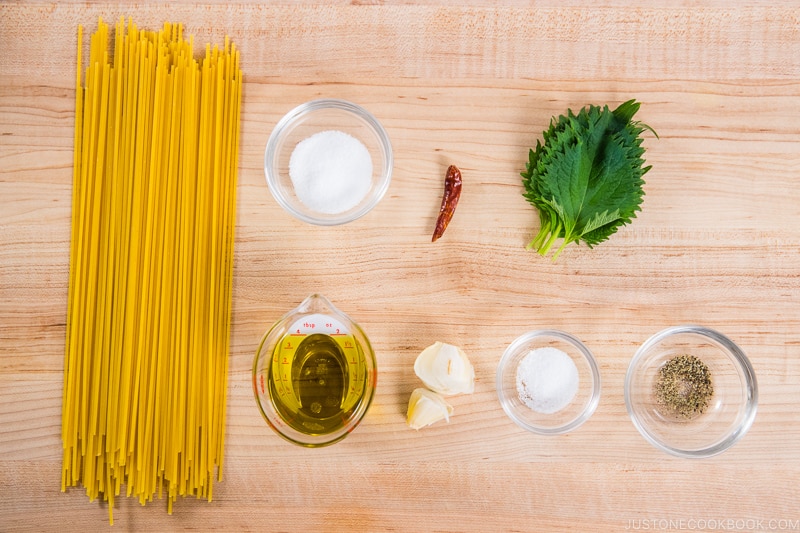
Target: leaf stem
(544, 230)
(553, 236)
(563, 245)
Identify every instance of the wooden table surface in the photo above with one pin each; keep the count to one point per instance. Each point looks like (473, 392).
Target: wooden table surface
(717, 244)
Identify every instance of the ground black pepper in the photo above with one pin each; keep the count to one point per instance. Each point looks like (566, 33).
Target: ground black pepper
(684, 386)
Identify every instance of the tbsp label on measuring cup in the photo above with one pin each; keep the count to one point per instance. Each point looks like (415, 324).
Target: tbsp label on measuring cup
(318, 323)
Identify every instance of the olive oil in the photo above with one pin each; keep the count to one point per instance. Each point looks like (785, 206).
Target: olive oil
(316, 381)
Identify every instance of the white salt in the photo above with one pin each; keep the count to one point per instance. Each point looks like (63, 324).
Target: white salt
(331, 171)
(547, 380)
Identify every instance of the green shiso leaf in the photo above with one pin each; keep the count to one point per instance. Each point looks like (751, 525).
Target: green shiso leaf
(585, 177)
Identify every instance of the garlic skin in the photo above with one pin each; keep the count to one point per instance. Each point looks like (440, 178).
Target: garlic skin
(445, 369)
(425, 408)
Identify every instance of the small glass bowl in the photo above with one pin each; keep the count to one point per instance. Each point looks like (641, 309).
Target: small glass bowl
(314, 117)
(731, 409)
(582, 405)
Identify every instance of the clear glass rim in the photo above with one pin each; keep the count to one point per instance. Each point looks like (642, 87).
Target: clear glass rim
(739, 358)
(270, 157)
(594, 398)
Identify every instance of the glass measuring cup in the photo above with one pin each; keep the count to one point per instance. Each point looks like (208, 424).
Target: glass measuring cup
(314, 374)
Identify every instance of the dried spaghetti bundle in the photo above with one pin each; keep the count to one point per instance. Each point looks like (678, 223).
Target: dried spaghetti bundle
(151, 264)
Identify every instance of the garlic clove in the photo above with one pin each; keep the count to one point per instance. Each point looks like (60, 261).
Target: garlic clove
(445, 369)
(425, 408)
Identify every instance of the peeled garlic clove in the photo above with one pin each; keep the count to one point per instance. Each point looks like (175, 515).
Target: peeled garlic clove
(425, 408)
(445, 369)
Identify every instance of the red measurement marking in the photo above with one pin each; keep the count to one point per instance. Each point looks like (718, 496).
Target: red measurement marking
(263, 390)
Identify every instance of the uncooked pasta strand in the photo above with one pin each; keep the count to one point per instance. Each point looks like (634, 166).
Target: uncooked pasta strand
(67, 400)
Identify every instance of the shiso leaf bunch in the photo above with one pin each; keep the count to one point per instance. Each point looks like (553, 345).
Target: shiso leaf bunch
(585, 176)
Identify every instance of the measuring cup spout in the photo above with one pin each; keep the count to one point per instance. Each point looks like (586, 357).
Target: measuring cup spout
(316, 303)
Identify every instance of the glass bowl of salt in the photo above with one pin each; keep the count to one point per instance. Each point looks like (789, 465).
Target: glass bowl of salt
(328, 162)
(548, 382)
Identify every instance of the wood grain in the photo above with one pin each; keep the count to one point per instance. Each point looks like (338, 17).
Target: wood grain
(475, 85)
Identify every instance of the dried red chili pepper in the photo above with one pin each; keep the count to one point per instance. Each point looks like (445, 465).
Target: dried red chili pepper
(452, 192)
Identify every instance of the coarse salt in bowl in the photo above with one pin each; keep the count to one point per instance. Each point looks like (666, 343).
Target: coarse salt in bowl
(328, 162)
(541, 407)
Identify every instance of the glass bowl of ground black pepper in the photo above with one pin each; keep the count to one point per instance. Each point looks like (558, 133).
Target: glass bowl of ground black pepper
(328, 162)
(548, 382)
(691, 391)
